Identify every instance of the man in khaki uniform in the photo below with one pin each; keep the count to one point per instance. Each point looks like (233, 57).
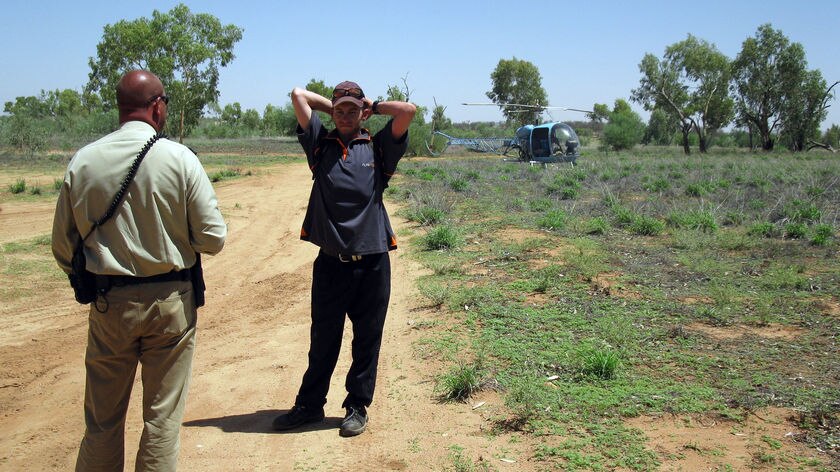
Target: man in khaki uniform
(146, 311)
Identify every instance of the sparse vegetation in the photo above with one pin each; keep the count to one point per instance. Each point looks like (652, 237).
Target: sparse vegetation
(460, 382)
(442, 237)
(593, 303)
(18, 187)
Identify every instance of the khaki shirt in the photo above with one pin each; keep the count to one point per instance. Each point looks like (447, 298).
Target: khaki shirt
(169, 213)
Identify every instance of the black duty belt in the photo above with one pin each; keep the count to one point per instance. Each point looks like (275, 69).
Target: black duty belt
(342, 257)
(123, 280)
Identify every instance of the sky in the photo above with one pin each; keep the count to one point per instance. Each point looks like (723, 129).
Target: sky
(444, 51)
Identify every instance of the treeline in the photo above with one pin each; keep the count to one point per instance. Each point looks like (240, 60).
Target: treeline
(767, 90)
(65, 119)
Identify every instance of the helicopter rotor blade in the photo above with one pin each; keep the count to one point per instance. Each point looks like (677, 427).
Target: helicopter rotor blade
(522, 105)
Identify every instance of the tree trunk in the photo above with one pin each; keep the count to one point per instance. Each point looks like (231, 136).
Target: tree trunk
(701, 140)
(766, 137)
(766, 142)
(685, 129)
(752, 136)
(686, 147)
(181, 129)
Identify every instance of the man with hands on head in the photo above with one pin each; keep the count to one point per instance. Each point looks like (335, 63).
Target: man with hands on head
(346, 218)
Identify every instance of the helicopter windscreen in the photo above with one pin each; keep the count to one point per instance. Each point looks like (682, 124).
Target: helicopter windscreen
(564, 140)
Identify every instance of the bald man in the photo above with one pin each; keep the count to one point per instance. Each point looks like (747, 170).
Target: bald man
(145, 311)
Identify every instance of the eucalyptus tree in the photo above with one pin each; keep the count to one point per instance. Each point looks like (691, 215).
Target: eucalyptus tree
(660, 89)
(706, 74)
(625, 128)
(690, 84)
(600, 113)
(439, 119)
(767, 75)
(804, 109)
(184, 49)
(518, 81)
(320, 87)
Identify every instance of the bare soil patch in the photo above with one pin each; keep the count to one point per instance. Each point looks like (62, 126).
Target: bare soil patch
(771, 331)
(765, 440)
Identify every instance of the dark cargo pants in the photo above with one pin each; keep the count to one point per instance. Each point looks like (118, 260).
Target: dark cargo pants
(359, 290)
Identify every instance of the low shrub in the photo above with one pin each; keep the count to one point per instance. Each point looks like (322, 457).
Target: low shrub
(18, 187)
(795, 230)
(460, 382)
(441, 237)
(822, 234)
(553, 220)
(647, 226)
(764, 229)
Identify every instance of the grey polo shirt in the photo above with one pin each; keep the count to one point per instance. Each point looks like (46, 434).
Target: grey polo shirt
(346, 214)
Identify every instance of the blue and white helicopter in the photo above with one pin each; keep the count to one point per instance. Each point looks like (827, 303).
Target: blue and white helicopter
(545, 143)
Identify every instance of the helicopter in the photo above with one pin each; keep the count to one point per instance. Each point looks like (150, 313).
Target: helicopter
(549, 142)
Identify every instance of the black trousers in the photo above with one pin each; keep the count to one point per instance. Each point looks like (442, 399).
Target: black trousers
(359, 290)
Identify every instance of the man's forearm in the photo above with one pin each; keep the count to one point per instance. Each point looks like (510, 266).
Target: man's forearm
(403, 113)
(394, 108)
(314, 100)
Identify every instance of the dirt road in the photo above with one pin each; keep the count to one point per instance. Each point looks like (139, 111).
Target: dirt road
(250, 356)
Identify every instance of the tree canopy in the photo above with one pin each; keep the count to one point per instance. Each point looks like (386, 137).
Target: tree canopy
(767, 76)
(625, 128)
(518, 81)
(690, 84)
(184, 49)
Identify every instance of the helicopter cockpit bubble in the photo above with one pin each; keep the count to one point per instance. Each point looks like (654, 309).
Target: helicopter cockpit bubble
(564, 139)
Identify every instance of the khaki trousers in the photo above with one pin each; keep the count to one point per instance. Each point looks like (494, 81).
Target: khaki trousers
(155, 325)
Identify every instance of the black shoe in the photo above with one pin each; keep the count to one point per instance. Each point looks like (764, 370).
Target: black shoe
(355, 421)
(298, 416)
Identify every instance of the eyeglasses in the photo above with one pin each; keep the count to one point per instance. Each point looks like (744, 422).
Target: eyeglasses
(164, 98)
(353, 92)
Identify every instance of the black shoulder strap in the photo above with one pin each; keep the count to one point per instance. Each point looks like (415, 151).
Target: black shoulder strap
(132, 171)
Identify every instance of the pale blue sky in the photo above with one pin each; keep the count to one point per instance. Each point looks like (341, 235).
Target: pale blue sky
(587, 53)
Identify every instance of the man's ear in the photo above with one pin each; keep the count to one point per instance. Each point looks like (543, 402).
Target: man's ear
(158, 115)
(366, 113)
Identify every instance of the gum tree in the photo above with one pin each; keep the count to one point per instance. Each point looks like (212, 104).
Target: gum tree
(690, 85)
(804, 108)
(518, 81)
(660, 89)
(184, 49)
(625, 128)
(765, 77)
(706, 74)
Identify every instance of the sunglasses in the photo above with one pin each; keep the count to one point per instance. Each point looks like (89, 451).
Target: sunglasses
(164, 98)
(353, 92)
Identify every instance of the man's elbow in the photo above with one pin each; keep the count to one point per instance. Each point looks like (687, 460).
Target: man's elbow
(212, 242)
(216, 248)
(410, 109)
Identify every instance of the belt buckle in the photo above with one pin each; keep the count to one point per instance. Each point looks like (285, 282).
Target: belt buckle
(349, 258)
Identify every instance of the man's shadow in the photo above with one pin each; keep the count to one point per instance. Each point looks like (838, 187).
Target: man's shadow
(260, 422)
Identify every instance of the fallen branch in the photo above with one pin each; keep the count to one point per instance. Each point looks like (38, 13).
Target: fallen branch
(813, 144)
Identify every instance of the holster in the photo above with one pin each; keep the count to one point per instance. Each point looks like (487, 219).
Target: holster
(197, 275)
(82, 281)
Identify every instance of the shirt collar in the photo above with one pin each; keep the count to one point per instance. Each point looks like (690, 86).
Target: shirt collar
(364, 135)
(137, 126)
